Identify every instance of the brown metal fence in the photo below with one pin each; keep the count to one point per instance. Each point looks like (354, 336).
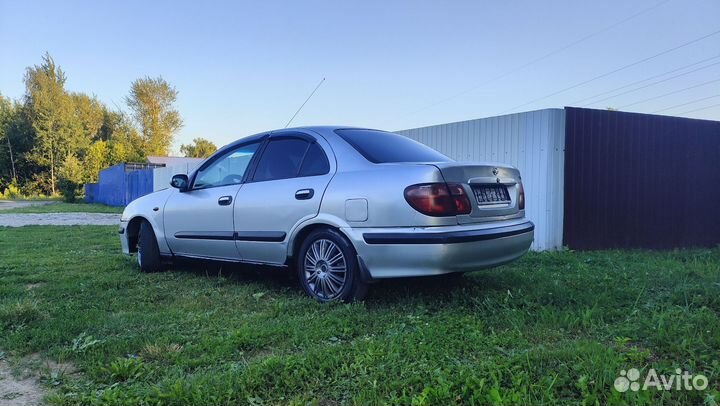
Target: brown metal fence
(640, 181)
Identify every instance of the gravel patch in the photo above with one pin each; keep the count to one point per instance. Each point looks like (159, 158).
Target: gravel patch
(58, 219)
(13, 204)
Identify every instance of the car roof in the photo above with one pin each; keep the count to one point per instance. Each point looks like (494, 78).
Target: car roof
(322, 129)
(319, 129)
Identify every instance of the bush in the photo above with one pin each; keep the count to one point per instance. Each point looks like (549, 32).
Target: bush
(71, 179)
(11, 192)
(70, 191)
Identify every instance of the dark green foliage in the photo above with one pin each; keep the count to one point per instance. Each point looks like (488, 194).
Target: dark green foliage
(50, 123)
(71, 179)
(151, 101)
(16, 140)
(552, 328)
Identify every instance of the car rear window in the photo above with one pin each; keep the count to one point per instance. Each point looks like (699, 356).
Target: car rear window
(315, 162)
(385, 147)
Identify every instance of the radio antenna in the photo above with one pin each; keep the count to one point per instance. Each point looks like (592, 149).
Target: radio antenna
(303, 105)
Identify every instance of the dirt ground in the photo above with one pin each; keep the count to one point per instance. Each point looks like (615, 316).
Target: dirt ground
(10, 204)
(58, 219)
(16, 391)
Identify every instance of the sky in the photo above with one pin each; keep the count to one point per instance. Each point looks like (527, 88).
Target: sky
(245, 67)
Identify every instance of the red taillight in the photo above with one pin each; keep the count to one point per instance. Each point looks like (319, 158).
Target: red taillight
(521, 197)
(462, 203)
(438, 199)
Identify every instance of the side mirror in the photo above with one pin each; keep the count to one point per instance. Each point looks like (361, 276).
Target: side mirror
(180, 181)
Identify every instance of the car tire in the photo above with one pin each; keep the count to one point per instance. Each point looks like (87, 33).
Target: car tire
(328, 269)
(454, 277)
(148, 254)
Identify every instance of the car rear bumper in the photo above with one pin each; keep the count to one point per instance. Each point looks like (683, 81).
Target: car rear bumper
(402, 252)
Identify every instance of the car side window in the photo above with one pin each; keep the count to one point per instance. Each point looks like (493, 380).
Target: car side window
(315, 162)
(228, 169)
(281, 159)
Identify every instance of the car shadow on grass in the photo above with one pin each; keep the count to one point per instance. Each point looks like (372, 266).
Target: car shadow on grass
(273, 277)
(384, 291)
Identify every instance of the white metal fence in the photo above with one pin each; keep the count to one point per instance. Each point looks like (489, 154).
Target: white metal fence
(162, 176)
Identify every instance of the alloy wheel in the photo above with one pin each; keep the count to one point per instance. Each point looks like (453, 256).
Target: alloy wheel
(325, 269)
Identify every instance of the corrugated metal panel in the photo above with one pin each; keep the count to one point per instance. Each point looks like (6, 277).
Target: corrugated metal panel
(117, 186)
(640, 181)
(91, 192)
(111, 186)
(533, 142)
(138, 184)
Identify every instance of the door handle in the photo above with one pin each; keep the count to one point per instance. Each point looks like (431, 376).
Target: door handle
(225, 200)
(304, 194)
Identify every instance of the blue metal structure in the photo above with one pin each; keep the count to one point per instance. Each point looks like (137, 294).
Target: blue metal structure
(138, 183)
(120, 184)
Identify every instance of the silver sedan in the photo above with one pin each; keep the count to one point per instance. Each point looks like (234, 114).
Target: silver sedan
(341, 206)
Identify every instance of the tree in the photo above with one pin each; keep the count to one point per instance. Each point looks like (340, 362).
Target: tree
(89, 113)
(16, 140)
(58, 131)
(96, 159)
(8, 111)
(52, 130)
(71, 178)
(200, 148)
(123, 141)
(45, 99)
(151, 102)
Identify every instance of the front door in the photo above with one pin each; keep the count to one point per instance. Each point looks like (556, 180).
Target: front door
(285, 189)
(199, 221)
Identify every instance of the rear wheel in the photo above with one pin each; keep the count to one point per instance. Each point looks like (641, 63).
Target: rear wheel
(148, 254)
(455, 278)
(328, 268)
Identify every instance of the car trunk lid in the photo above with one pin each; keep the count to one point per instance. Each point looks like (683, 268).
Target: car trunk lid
(493, 189)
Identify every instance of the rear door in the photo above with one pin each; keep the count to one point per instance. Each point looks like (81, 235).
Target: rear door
(285, 189)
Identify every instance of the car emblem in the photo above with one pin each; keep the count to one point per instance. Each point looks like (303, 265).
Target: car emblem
(495, 171)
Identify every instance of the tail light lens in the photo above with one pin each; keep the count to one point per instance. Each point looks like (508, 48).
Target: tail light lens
(521, 197)
(438, 199)
(462, 203)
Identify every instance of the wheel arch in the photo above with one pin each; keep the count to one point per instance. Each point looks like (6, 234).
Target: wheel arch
(133, 231)
(303, 230)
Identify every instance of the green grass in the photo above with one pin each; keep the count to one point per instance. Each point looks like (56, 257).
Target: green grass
(63, 207)
(553, 328)
(37, 197)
